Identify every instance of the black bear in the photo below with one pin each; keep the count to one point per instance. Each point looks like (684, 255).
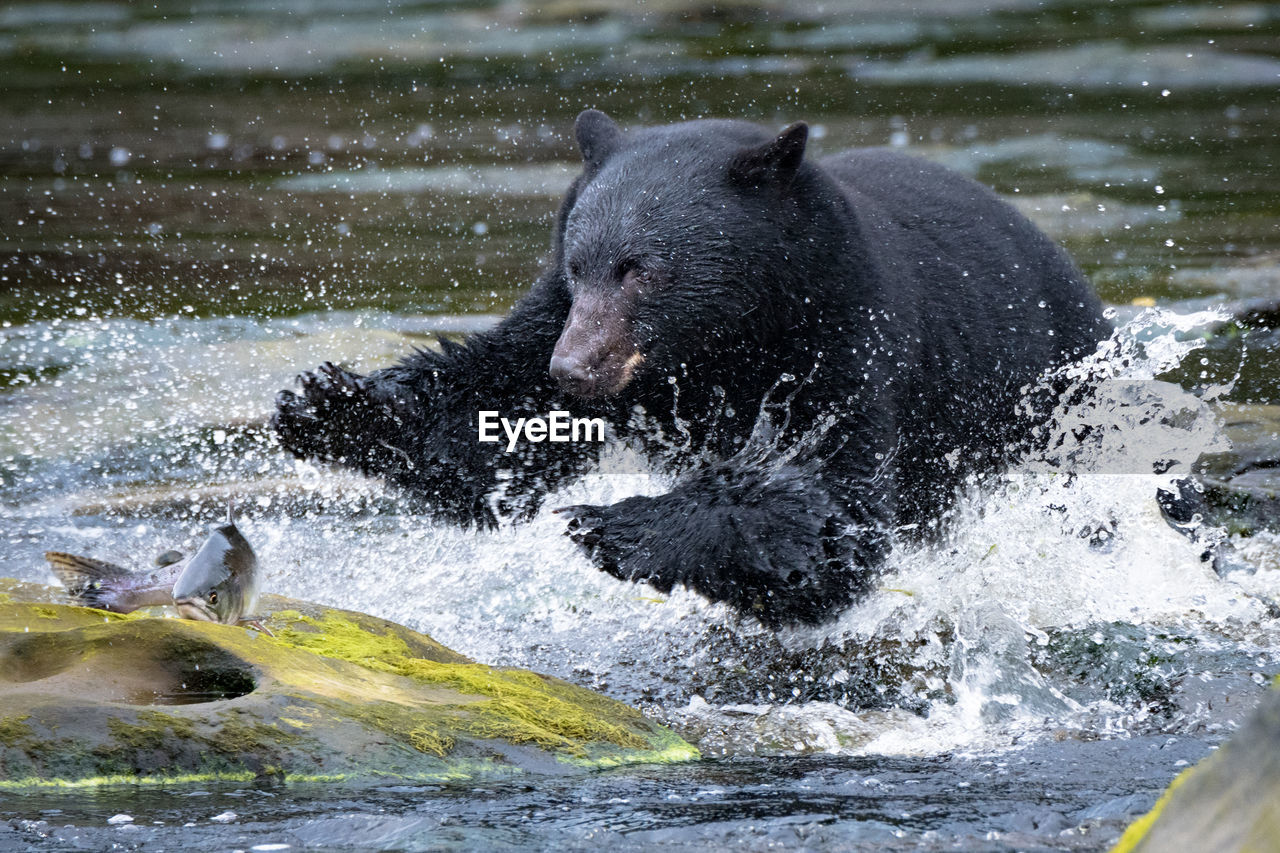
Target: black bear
(823, 351)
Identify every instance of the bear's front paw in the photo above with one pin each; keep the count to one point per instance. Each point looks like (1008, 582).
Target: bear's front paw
(330, 419)
(764, 541)
(611, 538)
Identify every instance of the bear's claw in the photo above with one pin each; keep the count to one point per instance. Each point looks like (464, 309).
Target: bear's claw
(339, 380)
(582, 522)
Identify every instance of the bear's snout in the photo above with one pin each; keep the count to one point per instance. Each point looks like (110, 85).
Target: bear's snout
(569, 370)
(595, 356)
(606, 373)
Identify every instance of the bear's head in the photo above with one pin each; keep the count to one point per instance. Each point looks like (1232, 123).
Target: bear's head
(676, 245)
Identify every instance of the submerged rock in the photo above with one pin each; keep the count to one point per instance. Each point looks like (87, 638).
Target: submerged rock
(1237, 489)
(90, 697)
(1242, 485)
(1228, 802)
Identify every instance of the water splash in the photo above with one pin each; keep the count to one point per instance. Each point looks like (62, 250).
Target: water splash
(1058, 601)
(969, 642)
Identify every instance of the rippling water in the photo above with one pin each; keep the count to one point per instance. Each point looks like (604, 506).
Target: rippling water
(197, 202)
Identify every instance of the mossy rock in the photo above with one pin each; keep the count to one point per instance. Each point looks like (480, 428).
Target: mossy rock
(90, 697)
(1228, 803)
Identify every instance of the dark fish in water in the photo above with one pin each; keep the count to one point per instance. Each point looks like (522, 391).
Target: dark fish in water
(218, 583)
(169, 557)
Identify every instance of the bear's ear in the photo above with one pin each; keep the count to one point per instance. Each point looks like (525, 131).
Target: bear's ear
(598, 137)
(775, 162)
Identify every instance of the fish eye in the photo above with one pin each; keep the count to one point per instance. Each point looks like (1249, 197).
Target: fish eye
(213, 597)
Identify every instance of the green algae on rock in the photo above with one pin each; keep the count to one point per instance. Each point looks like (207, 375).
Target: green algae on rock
(91, 697)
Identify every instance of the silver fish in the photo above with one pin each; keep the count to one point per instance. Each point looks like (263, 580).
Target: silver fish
(218, 583)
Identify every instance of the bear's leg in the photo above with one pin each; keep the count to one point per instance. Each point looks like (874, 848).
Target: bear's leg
(416, 423)
(767, 540)
(421, 435)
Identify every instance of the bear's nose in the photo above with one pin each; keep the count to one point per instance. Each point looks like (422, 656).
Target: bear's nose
(569, 368)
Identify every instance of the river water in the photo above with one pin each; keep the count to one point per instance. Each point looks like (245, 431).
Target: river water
(198, 200)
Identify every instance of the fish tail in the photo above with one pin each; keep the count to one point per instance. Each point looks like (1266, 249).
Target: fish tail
(90, 582)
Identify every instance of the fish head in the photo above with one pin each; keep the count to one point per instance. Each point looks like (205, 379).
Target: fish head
(213, 602)
(219, 584)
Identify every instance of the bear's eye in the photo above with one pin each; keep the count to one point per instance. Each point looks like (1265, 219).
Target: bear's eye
(575, 269)
(636, 270)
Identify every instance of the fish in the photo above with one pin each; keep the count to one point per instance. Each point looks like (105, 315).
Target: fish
(106, 586)
(218, 583)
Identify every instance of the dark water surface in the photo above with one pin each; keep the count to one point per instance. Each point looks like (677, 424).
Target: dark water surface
(1052, 797)
(198, 200)
(191, 149)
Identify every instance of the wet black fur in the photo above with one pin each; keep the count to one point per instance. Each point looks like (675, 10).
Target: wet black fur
(910, 304)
